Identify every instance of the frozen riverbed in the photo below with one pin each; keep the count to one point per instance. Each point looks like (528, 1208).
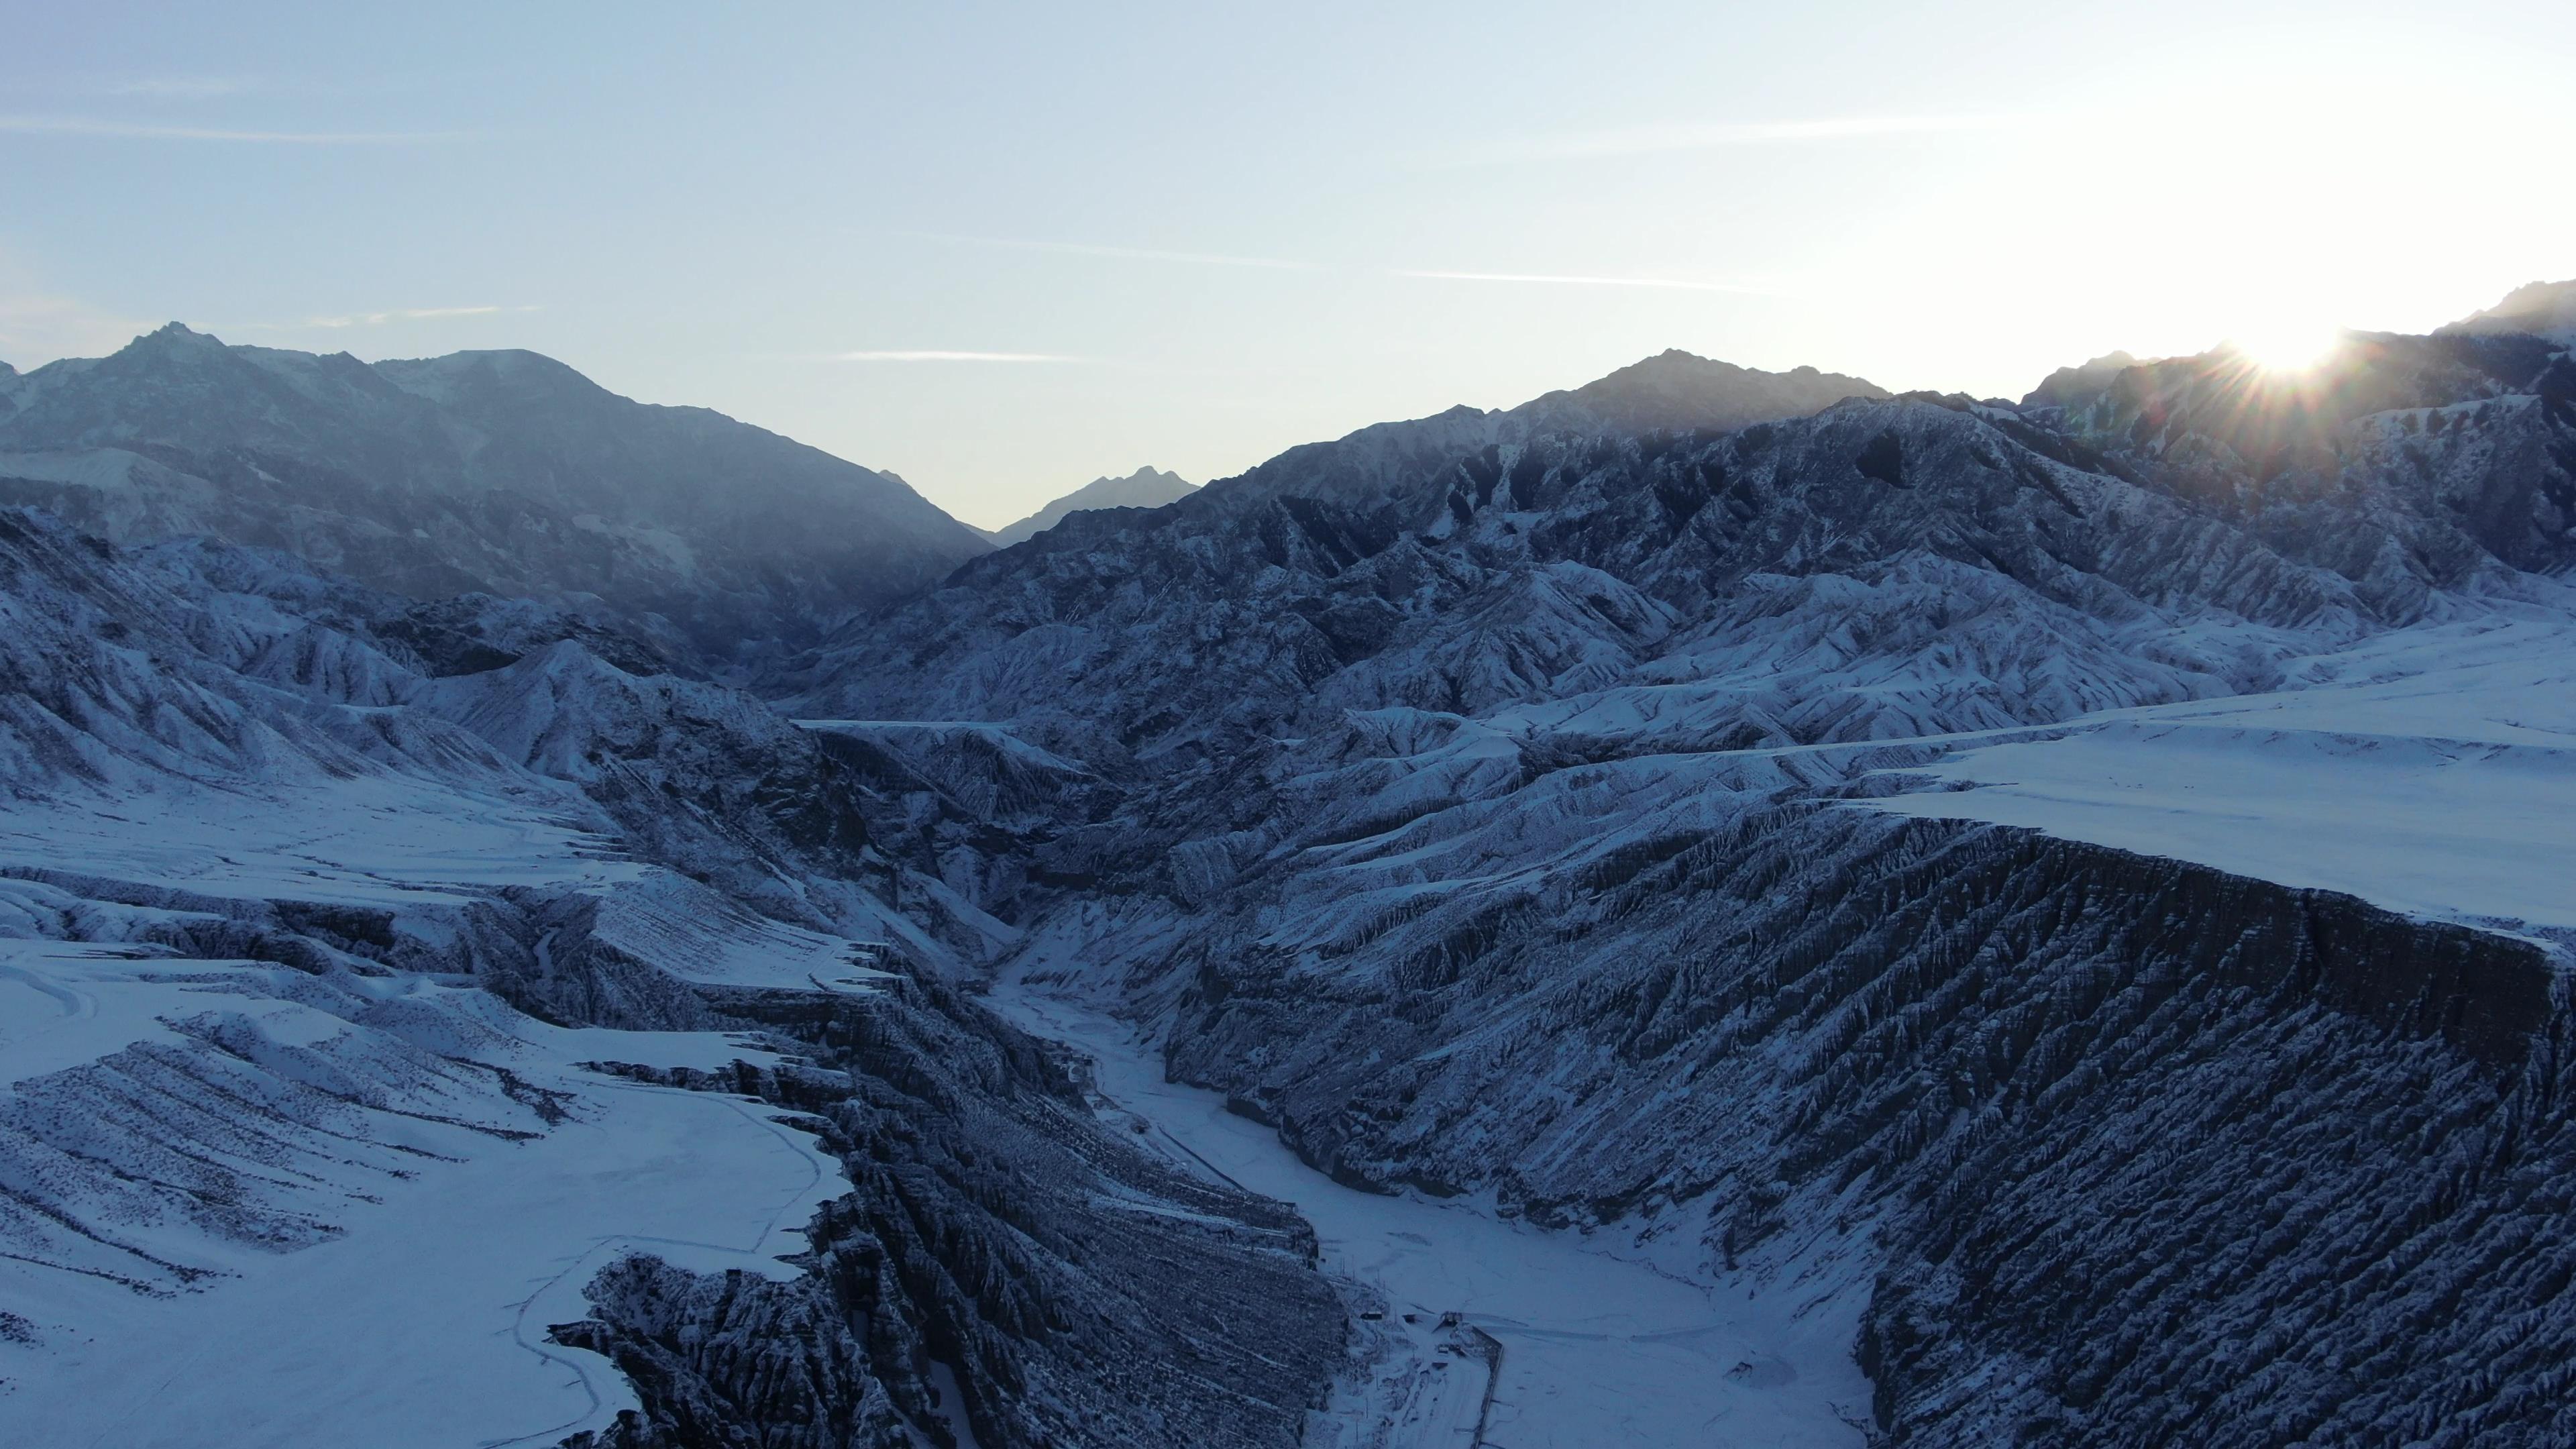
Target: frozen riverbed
(1578, 1347)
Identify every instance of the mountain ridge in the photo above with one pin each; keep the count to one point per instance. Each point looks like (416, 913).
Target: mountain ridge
(2545, 309)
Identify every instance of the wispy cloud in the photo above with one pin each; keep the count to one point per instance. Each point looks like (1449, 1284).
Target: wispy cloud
(36, 328)
(379, 319)
(144, 131)
(1649, 140)
(181, 87)
(1141, 254)
(408, 314)
(1555, 279)
(926, 355)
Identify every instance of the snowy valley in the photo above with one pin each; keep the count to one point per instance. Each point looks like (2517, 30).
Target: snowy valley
(1713, 907)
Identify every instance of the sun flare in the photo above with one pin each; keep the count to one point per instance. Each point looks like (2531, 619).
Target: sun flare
(2285, 345)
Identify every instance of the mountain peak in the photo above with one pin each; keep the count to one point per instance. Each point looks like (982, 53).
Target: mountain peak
(174, 340)
(1679, 391)
(495, 373)
(1147, 487)
(2542, 309)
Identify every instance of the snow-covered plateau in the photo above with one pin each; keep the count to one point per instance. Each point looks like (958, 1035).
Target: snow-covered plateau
(2431, 770)
(1713, 907)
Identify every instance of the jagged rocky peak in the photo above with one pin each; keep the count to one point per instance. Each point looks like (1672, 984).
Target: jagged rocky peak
(2540, 309)
(1147, 487)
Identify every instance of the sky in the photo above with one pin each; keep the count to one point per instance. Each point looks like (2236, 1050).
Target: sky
(1003, 249)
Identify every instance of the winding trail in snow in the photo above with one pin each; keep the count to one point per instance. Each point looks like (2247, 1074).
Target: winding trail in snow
(563, 1292)
(74, 1002)
(1589, 1348)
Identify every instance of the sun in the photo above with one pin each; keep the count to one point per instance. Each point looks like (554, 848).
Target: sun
(2286, 345)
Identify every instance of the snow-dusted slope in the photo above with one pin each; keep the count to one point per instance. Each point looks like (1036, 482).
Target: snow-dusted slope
(1144, 488)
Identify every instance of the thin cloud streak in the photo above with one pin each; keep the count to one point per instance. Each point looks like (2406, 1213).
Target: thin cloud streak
(1551, 279)
(1140, 254)
(1652, 140)
(137, 131)
(931, 355)
(36, 328)
(379, 319)
(183, 87)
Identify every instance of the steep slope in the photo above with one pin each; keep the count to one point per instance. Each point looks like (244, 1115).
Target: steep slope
(1144, 488)
(483, 472)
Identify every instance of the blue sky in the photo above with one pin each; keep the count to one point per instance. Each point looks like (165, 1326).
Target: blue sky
(1001, 249)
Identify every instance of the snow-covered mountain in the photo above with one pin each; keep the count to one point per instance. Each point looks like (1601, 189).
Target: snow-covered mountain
(1968, 859)
(1144, 488)
(501, 473)
(1750, 901)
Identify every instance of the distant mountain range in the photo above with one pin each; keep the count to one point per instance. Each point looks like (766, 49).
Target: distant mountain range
(502, 473)
(1144, 488)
